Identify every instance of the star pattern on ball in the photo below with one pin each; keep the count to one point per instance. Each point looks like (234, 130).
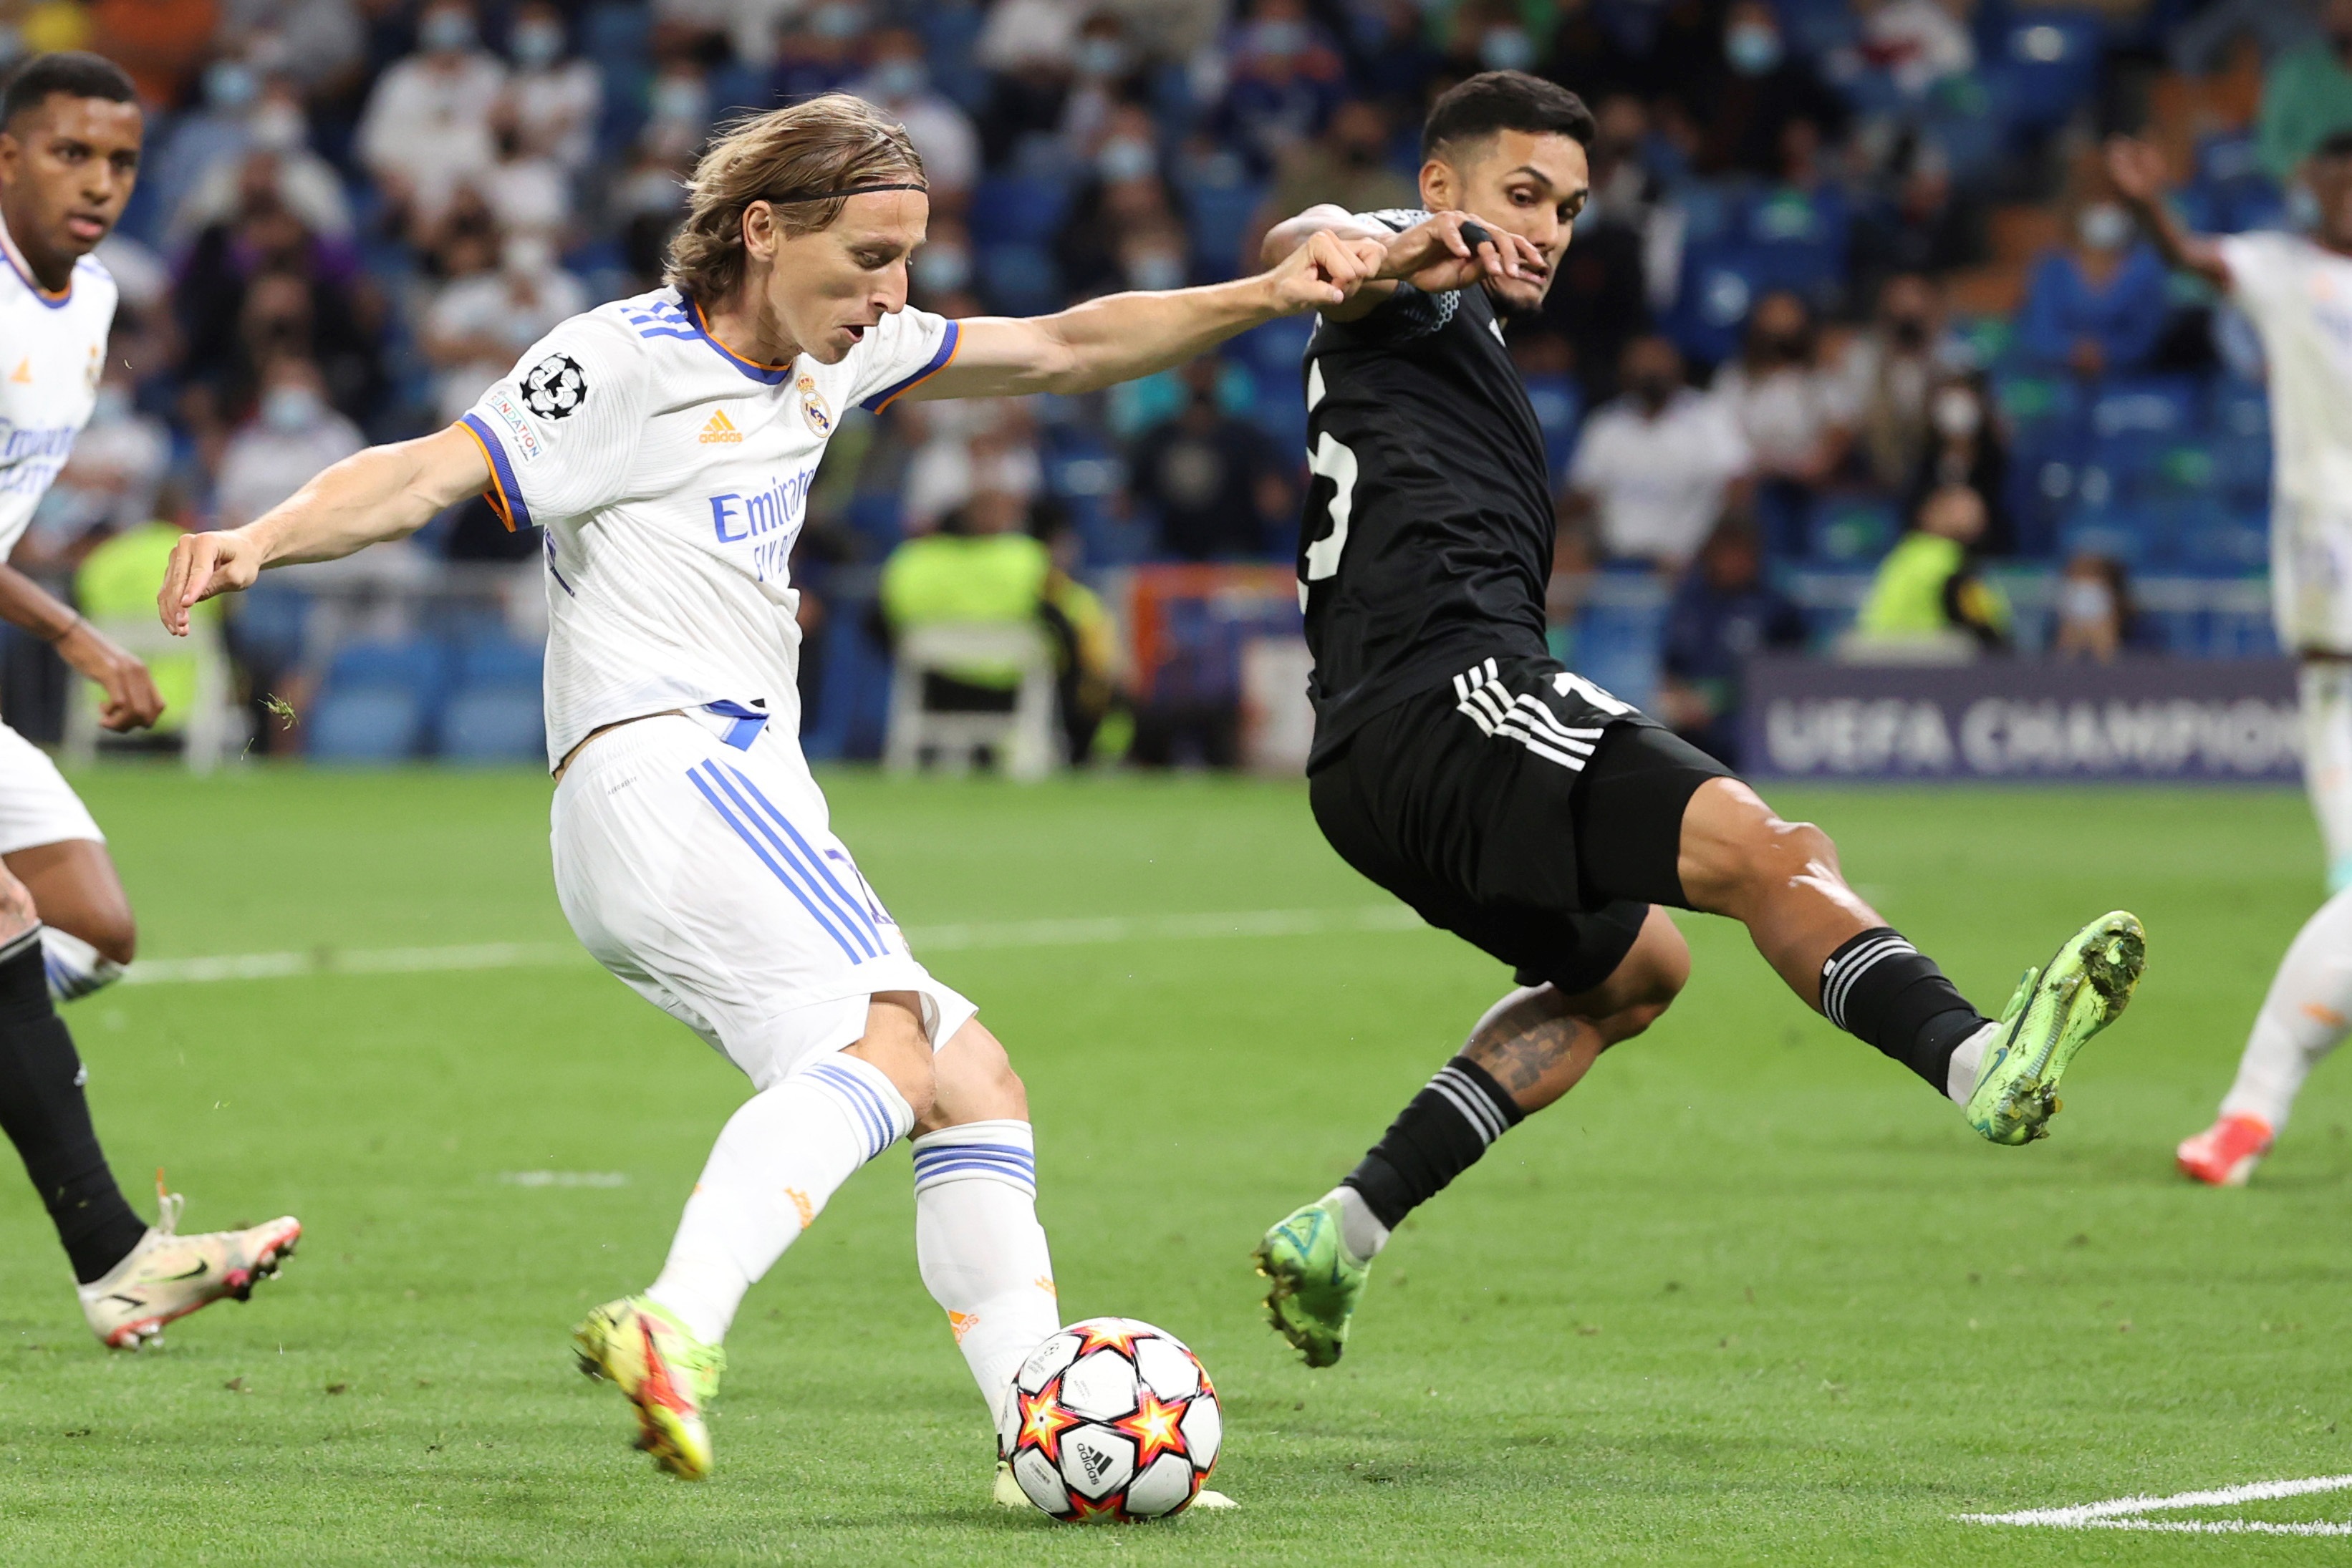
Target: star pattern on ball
(1108, 1336)
(1083, 1512)
(1043, 1422)
(1155, 1427)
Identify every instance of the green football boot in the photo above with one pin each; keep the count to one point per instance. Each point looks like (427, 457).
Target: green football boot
(2056, 1010)
(1313, 1284)
(667, 1373)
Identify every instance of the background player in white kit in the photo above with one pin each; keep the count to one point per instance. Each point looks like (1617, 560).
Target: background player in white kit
(2297, 292)
(667, 443)
(69, 143)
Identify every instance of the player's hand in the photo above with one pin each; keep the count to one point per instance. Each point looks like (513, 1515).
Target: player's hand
(131, 701)
(2137, 171)
(1438, 256)
(204, 565)
(1325, 270)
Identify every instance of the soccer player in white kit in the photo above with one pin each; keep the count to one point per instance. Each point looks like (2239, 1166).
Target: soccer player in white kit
(2297, 292)
(666, 444)
(69, 142)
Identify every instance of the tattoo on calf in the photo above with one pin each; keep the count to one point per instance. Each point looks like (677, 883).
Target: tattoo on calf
(1520, 1053)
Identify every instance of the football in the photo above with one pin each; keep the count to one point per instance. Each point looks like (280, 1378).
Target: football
(1112, 1420)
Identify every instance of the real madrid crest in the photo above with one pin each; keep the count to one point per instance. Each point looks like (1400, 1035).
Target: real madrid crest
(813, 408)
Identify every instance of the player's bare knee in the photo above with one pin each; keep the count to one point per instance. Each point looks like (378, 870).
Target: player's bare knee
(976, 1082)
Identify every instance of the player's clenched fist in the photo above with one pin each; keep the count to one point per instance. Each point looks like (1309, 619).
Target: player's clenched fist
(1325, 270)
(204, 565)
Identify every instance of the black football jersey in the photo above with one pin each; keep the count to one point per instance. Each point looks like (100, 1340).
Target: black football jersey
(1427, 534)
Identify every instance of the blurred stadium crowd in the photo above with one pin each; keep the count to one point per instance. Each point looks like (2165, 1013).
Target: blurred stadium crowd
(1849, 268)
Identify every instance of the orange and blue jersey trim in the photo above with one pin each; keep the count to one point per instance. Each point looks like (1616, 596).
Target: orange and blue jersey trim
(774, 375)
(504, 496)
(56, 301)
(950, 341)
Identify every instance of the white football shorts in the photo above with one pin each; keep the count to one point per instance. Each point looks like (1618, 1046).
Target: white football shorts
(2311, 579)
(36, 805)
(705, 876)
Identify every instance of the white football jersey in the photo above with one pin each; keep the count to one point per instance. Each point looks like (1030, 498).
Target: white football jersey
(52, 351)
(672, 475)
(2299, 297)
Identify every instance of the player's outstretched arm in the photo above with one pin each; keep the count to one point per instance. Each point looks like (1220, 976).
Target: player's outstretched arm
(2136, 170)
(1445, 251)
(1122, 336)
(384, 493)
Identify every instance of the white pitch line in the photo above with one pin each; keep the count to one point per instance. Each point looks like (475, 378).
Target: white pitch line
(2120, 1513)
(965, 937)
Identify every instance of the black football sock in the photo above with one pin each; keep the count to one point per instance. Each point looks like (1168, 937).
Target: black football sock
(1883, 990)
(1434, 1139)
(44, 1113)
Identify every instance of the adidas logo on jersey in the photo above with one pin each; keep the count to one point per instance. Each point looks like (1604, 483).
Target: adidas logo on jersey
(720, 429)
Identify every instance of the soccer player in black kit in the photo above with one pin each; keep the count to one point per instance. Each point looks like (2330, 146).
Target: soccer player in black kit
(1507, 798)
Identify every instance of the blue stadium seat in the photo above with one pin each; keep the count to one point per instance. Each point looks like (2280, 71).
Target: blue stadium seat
(2046, 62)
(1016, 209)
(1220, 214)
(1020, 280)
(1558, 403)
(416, 665)
(2239, 544)
(494, 723)
(1797, 239)
(1852, 530)
(1719, 287)
(368, 724)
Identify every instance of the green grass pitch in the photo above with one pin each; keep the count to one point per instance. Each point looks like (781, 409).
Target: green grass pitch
(1750, 1294)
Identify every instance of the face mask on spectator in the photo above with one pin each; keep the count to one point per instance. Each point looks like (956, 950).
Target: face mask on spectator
(290, 410)
(901, 78)
(230, 84)
(1125, 157)
(2105, 226)
(1278, 40)
(1156, 270)
(278, 127)
(112, 406)
(943, 268)
(1100, 57)
(2082, 599)
(837, 21)
(1957, 413)
(1752, 48)
(537, 44)
(1507, 49)
(446, 32)
(679, 99)
(527, 255)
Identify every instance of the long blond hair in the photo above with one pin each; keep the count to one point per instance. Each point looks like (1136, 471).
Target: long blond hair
(826, 143)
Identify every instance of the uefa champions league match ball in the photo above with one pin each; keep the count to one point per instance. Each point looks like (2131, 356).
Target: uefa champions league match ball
(1112, 1420)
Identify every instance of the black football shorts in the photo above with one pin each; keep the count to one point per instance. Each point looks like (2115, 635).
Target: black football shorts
(1523, 809)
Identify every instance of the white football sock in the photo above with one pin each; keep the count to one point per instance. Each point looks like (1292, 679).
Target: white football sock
(777, 1161)
(2325, 691)
(76, 968)
(1967, 1059)
(1361, 1231)
(2306, 1015)
(980, 1249)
